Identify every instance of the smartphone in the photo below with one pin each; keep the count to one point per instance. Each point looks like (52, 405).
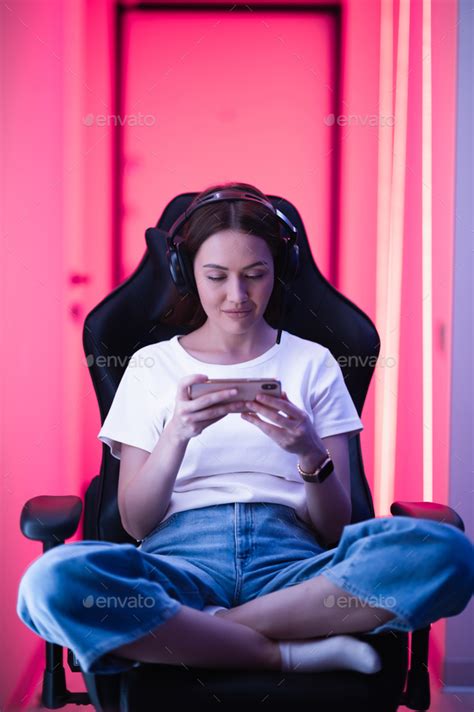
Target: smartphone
(247, 388)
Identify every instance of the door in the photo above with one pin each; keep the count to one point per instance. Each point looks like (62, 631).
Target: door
(246, 94)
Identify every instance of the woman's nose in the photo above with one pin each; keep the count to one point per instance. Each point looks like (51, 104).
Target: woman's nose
(237, 290)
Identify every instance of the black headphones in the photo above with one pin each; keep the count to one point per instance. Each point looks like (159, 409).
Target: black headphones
(180, 264)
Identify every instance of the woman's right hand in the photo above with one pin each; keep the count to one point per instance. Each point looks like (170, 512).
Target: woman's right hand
(192, 416)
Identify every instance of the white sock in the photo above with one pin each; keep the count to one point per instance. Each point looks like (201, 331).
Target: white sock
(212, 610)
(338, 652)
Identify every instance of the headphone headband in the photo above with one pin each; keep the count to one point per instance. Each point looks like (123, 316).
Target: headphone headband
(232, 194)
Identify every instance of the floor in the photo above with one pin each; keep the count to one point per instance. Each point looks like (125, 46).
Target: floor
(440, 702)
(451, 703)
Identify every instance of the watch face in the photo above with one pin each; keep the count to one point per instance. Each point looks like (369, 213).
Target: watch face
(322, 474)
(326, 471)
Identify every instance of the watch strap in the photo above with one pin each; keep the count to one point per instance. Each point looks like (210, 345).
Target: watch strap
(320, 473)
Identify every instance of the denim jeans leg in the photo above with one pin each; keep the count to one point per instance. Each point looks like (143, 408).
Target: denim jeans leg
(421, 570)
(94, 596)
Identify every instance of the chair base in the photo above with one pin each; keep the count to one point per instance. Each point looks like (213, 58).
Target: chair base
(203, 688)
(55, 693)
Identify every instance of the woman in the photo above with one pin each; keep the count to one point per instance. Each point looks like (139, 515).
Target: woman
(227, 525)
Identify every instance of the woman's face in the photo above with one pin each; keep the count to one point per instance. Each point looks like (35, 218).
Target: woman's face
(234, 271)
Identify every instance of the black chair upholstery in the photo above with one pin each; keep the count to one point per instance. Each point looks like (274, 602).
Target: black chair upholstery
(145, 309)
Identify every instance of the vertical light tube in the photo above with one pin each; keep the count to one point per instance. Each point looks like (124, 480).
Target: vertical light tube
(426, 255)
(387, 402)
(384, 184)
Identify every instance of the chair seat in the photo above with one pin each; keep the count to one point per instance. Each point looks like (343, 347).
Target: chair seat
(202, 688)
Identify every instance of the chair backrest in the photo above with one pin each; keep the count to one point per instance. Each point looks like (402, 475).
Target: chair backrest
(146, 308)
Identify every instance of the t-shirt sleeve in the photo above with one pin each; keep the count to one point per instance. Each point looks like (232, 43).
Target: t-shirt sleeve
(134, 416)
(333, 409)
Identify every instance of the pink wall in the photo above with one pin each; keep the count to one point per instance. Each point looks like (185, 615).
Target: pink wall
(54, 223)
(32, 303)
(57, 208)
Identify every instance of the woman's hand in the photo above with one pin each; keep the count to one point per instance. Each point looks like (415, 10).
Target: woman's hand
(192, 416)
(293, 432)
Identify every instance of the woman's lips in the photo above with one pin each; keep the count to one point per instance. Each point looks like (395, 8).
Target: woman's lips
(238, 314)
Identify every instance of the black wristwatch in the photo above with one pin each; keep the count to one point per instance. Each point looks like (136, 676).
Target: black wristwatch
(320, 473)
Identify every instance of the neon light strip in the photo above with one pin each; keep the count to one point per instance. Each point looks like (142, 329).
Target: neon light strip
(388, 302)
(383, 227)
(426, 255)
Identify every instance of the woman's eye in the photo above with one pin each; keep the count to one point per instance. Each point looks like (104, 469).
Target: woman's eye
(250, 276)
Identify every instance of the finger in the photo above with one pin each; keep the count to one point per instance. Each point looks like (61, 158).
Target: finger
(270, 413)
(252, 417)
(275, 403)
(216, 411)
(271, 430)
(215, 397)
(267, 398)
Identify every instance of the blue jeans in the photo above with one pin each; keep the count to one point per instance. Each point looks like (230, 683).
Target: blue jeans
(93, 596)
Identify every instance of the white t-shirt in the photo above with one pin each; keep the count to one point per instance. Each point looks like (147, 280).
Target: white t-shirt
(232, 460)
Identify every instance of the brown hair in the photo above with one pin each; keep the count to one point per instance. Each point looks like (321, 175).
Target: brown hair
(244, 216)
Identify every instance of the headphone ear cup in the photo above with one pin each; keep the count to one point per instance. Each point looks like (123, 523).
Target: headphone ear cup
(293, 263)
(163, 255)
(290, 262)
(186, 269)
(175, 270)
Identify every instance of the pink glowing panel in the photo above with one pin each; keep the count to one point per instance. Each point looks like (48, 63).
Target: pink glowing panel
(213, 96)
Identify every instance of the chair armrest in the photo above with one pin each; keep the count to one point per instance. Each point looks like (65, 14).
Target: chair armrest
(428, 510)
(417, 693)
(51, 519)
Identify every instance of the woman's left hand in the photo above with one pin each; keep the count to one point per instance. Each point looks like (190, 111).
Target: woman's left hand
(293, 432)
